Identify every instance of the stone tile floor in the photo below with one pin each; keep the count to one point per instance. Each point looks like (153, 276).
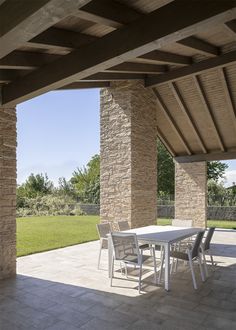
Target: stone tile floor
(63, 290)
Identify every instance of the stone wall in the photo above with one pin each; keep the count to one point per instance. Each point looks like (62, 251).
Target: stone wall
(90, 209)
(191, 192)
(7, 192)
(128, 154)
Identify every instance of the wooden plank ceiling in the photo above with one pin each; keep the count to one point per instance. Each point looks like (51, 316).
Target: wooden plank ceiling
(184, 50)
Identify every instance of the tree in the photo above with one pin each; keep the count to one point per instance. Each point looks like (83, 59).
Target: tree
(216, 170)
(65, 188)
(86, 181)
(165, 171)
(36, 185)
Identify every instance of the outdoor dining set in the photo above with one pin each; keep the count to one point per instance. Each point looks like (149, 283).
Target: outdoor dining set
(165, 245)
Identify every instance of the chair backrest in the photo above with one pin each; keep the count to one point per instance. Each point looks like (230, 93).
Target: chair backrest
(123, 225)
(103, 229)
(182, 223)
(206, 244)
(125, 246)
(197, 244)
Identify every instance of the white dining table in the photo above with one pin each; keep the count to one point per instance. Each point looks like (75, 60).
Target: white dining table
(158, 235)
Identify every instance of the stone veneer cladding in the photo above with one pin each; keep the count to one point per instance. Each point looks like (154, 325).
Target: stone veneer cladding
(7, 192)
(128, 154)
(191, 192)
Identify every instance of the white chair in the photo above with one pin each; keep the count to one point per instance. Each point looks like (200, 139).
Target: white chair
(126, 250)
(192, 253)
(103, 230)
(206, 247)
(182, 223)
(123, 225)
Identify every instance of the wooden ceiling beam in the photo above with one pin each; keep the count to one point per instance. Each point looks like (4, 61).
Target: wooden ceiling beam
(138, 68)
(29, 18)
(166, 57)
(200, 46)
(231, 25)
(26, 60)
(228, 95)
(165, 142)
(60, 38)
(191, 70)
(110, 76)
(8, 75)
(120, 46)
(86, 84)
(209, 111)
(207, 157)
(109, 13)
(171, 121)
(175, 90)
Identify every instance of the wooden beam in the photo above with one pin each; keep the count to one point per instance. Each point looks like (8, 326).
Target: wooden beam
(171, 121)
(29, 18)
(231, 25)
(26, 60)
(187, 114)
(121, 45)
(166, 57)
(59, 38)
(110, 76)
(86, 84)
(138, 68)
(9, 75)
(206, 157)
(200, 46)
(209, 111)
(194, 69)
(228, 95)
(165, 142)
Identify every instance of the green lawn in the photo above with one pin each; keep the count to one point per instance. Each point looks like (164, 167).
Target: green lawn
(37, 234)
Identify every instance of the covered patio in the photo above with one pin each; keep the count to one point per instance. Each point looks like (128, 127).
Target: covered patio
(167, 70)
(63, 289)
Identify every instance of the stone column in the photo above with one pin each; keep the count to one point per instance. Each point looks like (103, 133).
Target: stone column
(191, 192)
(128, 154)
(7, 193)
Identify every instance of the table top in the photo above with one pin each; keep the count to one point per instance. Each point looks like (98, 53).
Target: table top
(163, 234)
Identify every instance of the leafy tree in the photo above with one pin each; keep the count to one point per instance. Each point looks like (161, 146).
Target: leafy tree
(86, 181)
(216, 170)
(36, 185)
(65, 188)
(165, 171)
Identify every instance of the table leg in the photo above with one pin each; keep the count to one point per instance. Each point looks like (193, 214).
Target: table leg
(109, 256)
(167, 267)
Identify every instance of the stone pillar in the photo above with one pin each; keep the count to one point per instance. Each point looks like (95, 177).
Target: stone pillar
(7, 192)
(128, 154)
(191, 192)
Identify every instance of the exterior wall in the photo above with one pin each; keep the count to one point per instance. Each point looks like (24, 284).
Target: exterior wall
(128, 154)
(191, 192)
(7, 192)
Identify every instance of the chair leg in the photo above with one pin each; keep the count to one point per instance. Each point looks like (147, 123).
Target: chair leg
(162, 263)
(200, 266)
(112, 270)
(205, 264)
(99, 256)
(192, 271)
(212, 261)
(140, 278)
(154, 264)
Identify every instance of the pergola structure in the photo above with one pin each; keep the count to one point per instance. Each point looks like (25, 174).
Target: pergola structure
(168, 70)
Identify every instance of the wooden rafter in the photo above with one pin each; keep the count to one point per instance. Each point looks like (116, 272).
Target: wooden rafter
(138, 68)
(165, 142)
(111, 49)
(228, 95)
(166, 57)
(175, 90)
(191, 70)
(209, 111)
(111, 76)
(207, 157)
(86, 84)
(200, 46)
(171, 121)
(29, 18)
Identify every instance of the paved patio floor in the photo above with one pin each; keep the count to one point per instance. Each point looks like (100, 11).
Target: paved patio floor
(63, 290)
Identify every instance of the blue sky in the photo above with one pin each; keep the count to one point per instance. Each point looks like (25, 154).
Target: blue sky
(59, 131)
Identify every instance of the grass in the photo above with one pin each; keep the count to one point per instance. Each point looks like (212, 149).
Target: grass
(37, 234)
